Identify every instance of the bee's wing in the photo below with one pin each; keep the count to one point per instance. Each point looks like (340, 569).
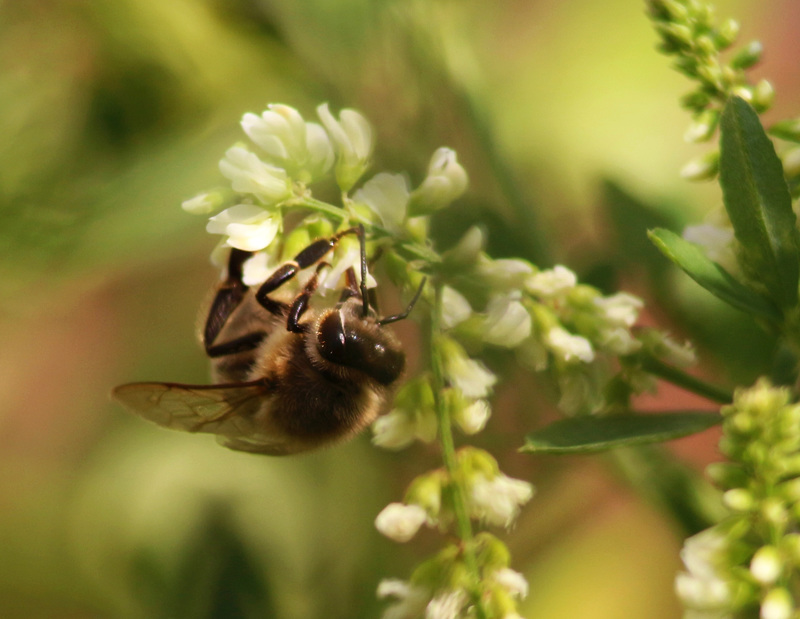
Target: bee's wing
(218, 409)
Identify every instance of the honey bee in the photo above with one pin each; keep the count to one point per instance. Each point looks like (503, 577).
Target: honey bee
(289, 377)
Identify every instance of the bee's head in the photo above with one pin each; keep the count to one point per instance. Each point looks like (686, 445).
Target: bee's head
(347, 338)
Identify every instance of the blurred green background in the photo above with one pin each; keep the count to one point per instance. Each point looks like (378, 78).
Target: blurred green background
(114, 111)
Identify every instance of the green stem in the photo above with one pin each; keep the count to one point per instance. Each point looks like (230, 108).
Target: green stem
(458, 494)
(408, 249)
(686, 381)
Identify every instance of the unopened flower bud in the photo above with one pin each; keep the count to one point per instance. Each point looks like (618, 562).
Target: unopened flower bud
(747, 56)
(352, 139)
(766, 565)
(777, 604)
(445, 182)
(763, 96)
(787, 129)
(203, 203)
(702, 168)
(727, 34)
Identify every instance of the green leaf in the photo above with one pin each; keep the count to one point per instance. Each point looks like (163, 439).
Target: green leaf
(592, 434)
(712, 276)
(758, 203)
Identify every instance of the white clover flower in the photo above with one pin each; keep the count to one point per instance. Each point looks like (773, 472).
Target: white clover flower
(248, 227)
(398, 428)
(248, 174)
(569, 347)
(552, 282)
(470, 377)
(445, 182)
(619, 341)
(507, 322)
(400, 522)
(702, 586)
(302, 149)
(503, 274)
(387, 196)
(202, 203)
(497, 500)
(512, 581)
(455, 308)
(619, 310)
(352, 138)
(473, 417)
(411, 599)
(351, 258)
(446, 605)
(257, 268)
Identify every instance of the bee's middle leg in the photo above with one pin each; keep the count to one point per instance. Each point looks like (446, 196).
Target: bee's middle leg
(227, 299)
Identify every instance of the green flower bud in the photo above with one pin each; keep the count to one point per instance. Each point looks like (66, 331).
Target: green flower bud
(747, 56)
(791, 163)
(777, 604)
(706, 45)
(766, 565)
(490, 552)
(703, 127)
(702, 168)
(727, 475)
(696, 100)
(739, 500)
(774, 511)
(426, 491)
(727, 34)
(763, 96)
(295, 242)
(787, 130)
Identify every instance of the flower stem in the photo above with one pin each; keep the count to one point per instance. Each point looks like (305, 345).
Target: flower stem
(408, 249)
(686, 381)
(458, 494)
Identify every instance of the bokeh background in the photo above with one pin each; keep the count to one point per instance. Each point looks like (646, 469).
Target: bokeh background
(114, 111)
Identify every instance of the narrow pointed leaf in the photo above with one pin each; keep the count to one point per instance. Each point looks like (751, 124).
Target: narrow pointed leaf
(712, 276)
(758, 202)
(593, 434)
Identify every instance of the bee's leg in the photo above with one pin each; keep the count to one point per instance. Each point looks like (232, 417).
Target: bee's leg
(404, 315)
(310, 255)
(300, 303)
(350, 286)
(228, 298)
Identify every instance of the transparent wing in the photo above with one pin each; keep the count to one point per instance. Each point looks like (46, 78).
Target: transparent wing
(228, 410)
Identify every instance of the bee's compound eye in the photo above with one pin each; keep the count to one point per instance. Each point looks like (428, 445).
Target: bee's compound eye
(331, 337)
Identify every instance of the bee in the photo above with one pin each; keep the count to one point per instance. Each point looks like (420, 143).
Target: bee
(289, 377)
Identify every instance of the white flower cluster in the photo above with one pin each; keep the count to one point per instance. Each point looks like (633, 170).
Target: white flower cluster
(550, 320)
(492, 498)
(288, 154)
(411, 600)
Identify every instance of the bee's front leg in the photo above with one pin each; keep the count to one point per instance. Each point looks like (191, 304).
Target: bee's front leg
(309, 256)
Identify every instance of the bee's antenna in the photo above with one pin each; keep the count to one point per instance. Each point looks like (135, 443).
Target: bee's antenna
(362, 238)
(403, 315)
